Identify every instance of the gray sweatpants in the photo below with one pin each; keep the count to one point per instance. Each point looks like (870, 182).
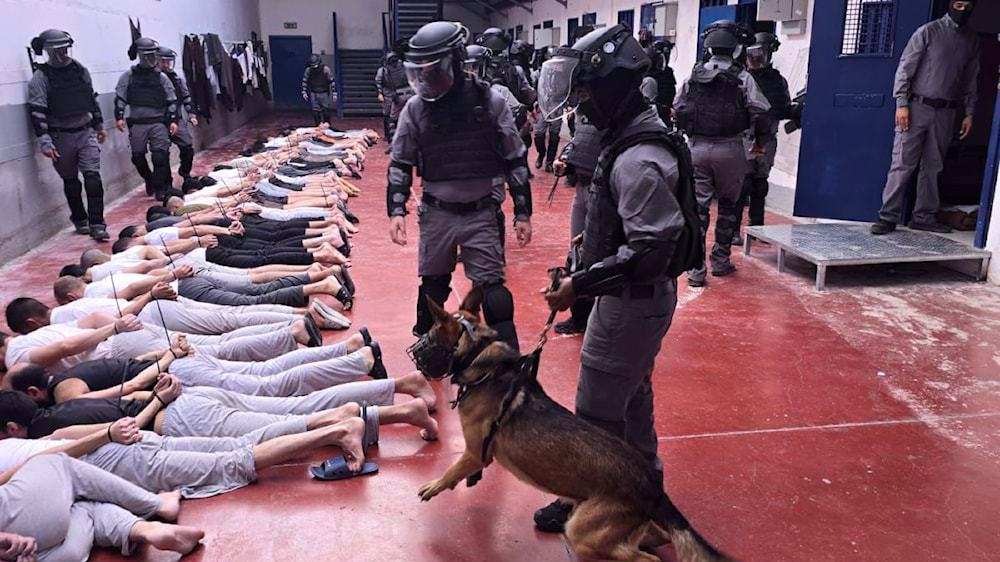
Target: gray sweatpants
(925, 144)
(623, 337)
(476, 235)
(193, 317)
(213, 412)
(296, 373)
(253, 343)
(68, 506)
(720, 167)
(199, 467)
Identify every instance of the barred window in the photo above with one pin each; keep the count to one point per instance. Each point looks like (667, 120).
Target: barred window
(869, 26)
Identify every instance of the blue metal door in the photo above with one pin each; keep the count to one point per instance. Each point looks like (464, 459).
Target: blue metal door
(847, 129)
(289, 58)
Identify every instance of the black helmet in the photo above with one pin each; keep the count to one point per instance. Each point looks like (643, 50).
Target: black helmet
(721, 41)
(315, 60)
(477, 60)
(744, 35)
(435, 57)
(594, 57)
(759, 54)
(520, 48)
(56, 44)
(769, 39)
(168, 57)
(494, 39)
(147, 50)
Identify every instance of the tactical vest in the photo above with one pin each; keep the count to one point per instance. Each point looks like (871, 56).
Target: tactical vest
(584, 149)
(714, 106)
(459, 140)
(69, 92)
(666, 87)
(317, 81)
(605, 232)
(395, 77)
(775, 90)
(145, 88)
(175, 81)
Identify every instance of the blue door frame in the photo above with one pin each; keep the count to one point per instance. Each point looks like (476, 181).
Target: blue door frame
(289, 59)
(989, 181)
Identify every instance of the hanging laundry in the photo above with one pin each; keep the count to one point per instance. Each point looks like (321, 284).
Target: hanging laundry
(193, 61)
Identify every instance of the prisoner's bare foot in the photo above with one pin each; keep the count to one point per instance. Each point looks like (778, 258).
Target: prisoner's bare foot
(333, 416)
(416, 385)
(351, 440)
(415, 413)
(170, 506)
(176, 538)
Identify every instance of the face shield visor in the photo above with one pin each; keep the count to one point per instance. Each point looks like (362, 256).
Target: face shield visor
(59, 56)
(758, 56)
(431, 80)
(149, 59)
(555, 86)
(475, 68)
(167, 64)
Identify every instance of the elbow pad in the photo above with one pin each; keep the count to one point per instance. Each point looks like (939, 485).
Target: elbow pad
(400, 178)
(635, 263)
(520, 187)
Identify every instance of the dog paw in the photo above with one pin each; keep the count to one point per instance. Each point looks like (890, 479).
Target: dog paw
(429, 490)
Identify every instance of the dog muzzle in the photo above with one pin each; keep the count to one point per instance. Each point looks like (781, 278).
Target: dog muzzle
(433, 358)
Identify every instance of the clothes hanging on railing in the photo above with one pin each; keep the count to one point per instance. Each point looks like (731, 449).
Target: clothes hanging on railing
(193, 61)
(223, 71)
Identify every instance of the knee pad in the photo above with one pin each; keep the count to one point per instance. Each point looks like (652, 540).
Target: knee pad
(72, 185)
(92, 180)
(187, 152)
(140, 163)
(498, 303)
(437, 287)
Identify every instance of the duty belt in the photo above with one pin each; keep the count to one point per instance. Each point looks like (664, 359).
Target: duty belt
(642, 291)
(68, 129)
(936, 103)
(458, 208)
(146, 121)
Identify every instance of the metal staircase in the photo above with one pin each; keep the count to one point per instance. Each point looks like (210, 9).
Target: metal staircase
(357, 74)
(410, 15)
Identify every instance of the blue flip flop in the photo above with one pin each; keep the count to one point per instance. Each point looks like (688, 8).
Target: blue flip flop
(336, 469)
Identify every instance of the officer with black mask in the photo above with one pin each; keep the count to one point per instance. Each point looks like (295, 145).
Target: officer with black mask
(775, 89)
(317, 89)
(641, 232)
(660, 86)
(67, 120)
(182, 138)
(501, 68)
(715, 107)
(152, 117)
(460, 136)
(393, 89)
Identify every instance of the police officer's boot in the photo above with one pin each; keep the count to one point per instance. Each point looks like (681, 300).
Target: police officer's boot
(317, 118)
(72, 189)
(161, 174)
(437, 288)
(95, 206)
(498, 312)
(142, 166)
(552, 150)
(187, 161)
(540, 147)
(758, 199)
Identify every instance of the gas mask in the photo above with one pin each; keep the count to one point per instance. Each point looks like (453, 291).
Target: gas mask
(961, 16)
(433, 358)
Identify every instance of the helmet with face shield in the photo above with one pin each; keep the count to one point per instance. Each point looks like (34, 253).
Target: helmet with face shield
(594, 57)
(477, 60)
(759, 54)
(494, 39)
(434, 58)
(57, 46)
(148, 51)
(168, 59)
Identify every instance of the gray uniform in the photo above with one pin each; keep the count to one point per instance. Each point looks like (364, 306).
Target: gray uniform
(939, 67)
(321, 97)
(720, 167)
(391, 84)
(69, 506)
(146, 136)
(625, 330)
(214, 412)
(546, 139)
(74, 137)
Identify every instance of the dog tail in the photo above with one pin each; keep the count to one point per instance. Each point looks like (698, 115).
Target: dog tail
(690, 546)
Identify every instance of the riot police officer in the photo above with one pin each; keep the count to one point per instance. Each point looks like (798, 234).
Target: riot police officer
(546, 137)
(317, 89)
(660, 86)
(460, 136)
(182, 138)
(68, 123)
(775, 89)
(152, 114)
(715, 107)
(641, 232)
(501, 68)
(393, 89)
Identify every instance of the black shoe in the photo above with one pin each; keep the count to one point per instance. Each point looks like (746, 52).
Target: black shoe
(345, 280)
(345, 297)
(366, 336)
(81, 227)
(149, 189)
(378, 371)
(549, 168)
(539, 162)
(724, 270)
(99, 232)
(883, 227)
(315, 337)
(929, 227)
(570, 328)
(553, 517)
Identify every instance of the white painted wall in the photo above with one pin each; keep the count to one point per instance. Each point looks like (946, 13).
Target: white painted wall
(359, 22)
(34, 207)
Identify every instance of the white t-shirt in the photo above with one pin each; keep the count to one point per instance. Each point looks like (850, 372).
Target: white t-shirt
(119, 261)
(14, 451)
(161, 236)
(19, 348)
(73, 312)
(114, 284)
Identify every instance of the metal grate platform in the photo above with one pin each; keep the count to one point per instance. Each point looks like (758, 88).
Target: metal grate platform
(830, 245)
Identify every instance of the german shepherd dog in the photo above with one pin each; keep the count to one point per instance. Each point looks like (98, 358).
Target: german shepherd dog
(620, 503)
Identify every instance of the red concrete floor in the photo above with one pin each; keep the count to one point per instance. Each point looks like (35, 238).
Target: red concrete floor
(860, 424)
